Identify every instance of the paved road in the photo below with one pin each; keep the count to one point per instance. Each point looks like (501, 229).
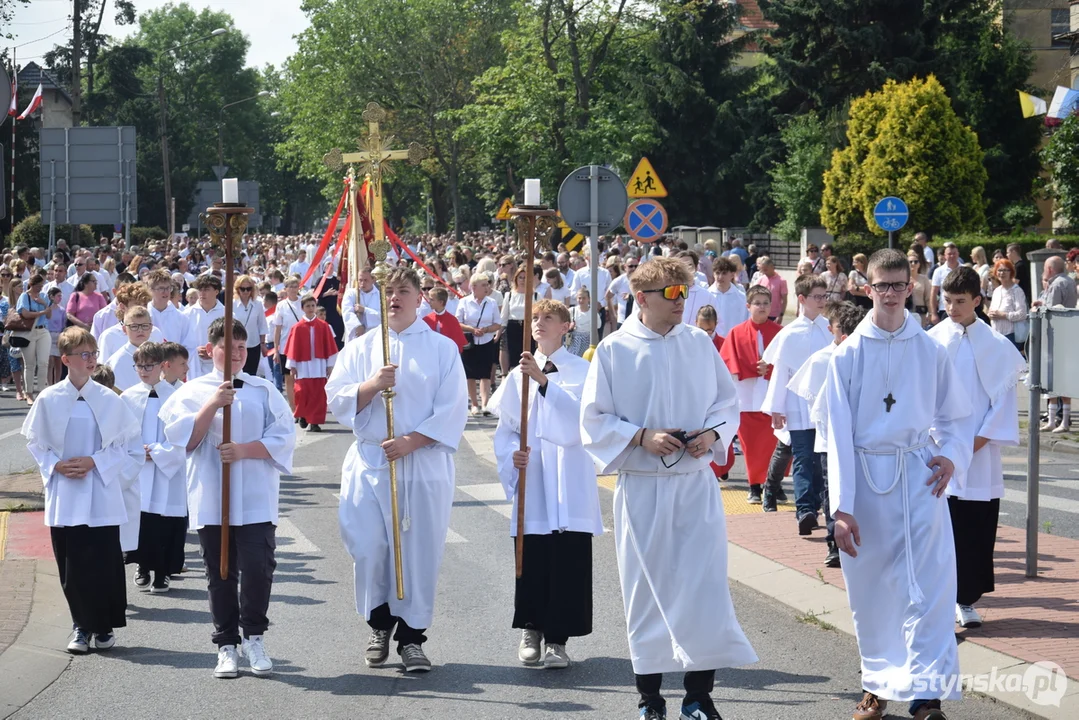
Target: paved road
(163, 664)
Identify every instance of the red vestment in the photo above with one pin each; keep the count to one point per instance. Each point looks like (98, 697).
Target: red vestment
(721, 470)
(741, 353)
(448, 325)
(310, 392)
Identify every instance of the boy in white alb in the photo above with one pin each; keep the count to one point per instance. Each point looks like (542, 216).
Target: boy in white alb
(174, 325)
(137, 326)
(202, 315)
(429, 417)
(130, 295)
(888, 385)
(992, 366)
(174, 365)
(261, 446)
(85, 442)
(162, 524)
(670, 533)
(553, 596)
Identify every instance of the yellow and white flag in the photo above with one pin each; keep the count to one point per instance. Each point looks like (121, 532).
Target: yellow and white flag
(1032, 105)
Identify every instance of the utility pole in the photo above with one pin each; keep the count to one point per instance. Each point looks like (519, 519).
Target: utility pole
(165, 154)
(76, 64)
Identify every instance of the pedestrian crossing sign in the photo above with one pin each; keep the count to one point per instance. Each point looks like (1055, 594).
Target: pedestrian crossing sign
(644, 182)
(504, 211)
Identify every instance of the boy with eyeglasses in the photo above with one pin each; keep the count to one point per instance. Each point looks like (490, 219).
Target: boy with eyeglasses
(137, 327)
(162, 521)
(679, 618)
(86, 444)
(743, 353)
(895, 407)
(793, 346)
(175, 325)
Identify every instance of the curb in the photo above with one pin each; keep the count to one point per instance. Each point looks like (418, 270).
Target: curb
(821, 600)
(37, 658)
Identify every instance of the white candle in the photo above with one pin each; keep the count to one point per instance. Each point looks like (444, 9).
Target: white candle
(532, 192)
(230, 190)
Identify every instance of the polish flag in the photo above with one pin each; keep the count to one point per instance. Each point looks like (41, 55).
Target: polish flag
(14, 110)
(35, 104)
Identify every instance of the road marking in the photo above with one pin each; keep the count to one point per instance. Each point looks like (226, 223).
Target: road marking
(481, 442)
(1045, 502)
(452, 537)
(11, 433)
(309, 469)
(290, 539)
(491, 494)
(3, 533)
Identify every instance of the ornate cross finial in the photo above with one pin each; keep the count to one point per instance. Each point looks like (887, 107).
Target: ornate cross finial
(334, 160)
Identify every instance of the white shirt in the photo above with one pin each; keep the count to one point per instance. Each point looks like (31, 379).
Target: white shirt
(175, 325)
(253, 318)
(583, 278)
(162, 485)
(286, 315)
(620, 293)
(104, 319)
(790, 349)
(300, 268)
(730, 307)
(479, 314)
(66, 289)
(939, 276)
(115, 338)
(200, 335)
(370, 301)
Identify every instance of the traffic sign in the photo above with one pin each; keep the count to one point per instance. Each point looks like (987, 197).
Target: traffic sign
(566, 235)
(644, 182)
(891, 214)
(645, 220)
(579, 207)
(504, 211)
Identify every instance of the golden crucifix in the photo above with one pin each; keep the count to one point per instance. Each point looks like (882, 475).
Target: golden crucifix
(375, 160)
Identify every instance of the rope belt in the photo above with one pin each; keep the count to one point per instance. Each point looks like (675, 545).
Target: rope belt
(900, 479)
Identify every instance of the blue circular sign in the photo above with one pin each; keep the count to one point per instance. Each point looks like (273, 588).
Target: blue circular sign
(646, 220)
(891, 214)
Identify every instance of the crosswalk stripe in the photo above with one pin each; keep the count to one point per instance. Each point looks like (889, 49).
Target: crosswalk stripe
(491, 494)
(1045, 502)
(309, 469)
(290, 539)
(453, 537)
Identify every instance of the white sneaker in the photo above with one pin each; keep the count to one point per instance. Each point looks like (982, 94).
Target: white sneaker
(1062, 428)
(255, 651)
(967, 616)
(529, 650)
(556, 657)
(105, 641)
(1048, 425)
(79, 643)
(228, 662)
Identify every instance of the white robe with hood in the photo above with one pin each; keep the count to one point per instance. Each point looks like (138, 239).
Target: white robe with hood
(430, 400)
(670, 531)
(902, 585)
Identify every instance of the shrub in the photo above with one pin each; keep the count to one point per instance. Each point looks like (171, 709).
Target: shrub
(33, 233)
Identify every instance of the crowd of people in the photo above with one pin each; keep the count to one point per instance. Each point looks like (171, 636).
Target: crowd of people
(822, 388)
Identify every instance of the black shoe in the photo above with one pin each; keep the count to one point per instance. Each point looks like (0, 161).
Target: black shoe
(754, 496)
(303, 423)
(651, 713)
(314, 428)
(769, 501)
(781, 496)
(807, 523)
(142, 578)
(832, 558)
(725, 477)
(699, 711)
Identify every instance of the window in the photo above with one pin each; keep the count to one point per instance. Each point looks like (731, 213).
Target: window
(1059, 24)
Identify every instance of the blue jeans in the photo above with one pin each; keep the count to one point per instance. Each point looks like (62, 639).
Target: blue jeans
(275, 367)
(808, 474)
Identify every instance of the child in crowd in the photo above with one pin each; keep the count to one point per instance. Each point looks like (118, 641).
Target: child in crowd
(311, 351)
(137, 326)
(441, 321)
(174, 364)
(708, 320)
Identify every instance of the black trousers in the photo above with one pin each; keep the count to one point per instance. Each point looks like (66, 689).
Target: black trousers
(974, 527)
(382, 619)
(554, 593)
(777, 466)
(91, 568)
(254, 356)
(242, 600)
(698, 685)
(159, 537)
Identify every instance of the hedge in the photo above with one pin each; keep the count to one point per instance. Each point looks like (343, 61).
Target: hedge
(33, 233)
(847, 246)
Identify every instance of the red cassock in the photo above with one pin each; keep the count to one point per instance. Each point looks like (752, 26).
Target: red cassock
(310, 392)
(741, 353)
(446, 324)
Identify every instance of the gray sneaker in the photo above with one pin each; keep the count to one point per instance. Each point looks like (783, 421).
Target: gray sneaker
(556, 657)
(378, 648)
(529, 650)
(415, 659)
(79, 643)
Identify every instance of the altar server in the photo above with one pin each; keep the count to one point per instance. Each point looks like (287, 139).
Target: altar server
(991, 366)
(429, 418)
(888, 385)
(85, 442)
(162, 521)
(553, 597)
(311, 351)
(201, 315)
(173, 324)
(670, 533)
(137, 328)
(262, 442)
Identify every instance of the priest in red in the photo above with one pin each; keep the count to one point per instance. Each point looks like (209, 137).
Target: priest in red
(442, 322)
(742, 351)
(311, 351)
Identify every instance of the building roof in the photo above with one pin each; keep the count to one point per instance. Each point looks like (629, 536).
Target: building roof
(752, 16)
(31, 75)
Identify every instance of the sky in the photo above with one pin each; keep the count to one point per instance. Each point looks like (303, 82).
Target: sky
(268, 24)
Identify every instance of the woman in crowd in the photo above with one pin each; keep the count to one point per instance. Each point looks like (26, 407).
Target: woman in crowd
(34, 307)
(480, 319)
(559, 291)
(513, 313)
(1008, 308)
(85, 301)
(918, 302)
(581, 332)
(5, 363)
(835, 277)
(327, 300)
(12, 354)
(984, 270)
(857, 282)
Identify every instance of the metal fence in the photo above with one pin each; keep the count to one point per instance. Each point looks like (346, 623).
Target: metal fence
(784, 254)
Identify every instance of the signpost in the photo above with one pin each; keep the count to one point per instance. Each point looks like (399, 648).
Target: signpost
(644, 182)
(593, 198)
(646, 220)
(891, 215)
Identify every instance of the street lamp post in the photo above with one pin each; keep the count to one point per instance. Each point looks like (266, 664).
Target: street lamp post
(169, 216)
(221, 125)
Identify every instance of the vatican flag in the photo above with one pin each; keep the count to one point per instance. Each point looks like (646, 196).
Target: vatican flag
(1031, 105)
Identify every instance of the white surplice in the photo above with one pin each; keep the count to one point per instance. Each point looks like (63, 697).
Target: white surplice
(162, 481)
(787, 352)
(991, 366)
(60, 426)
(372, 310)
(698, 297)
(200, 321)
(430, 400)
(175, 326)
(259, 414)
(902, 585)
(670, 532)
(113, 339)
(561, 492)
(730, 307)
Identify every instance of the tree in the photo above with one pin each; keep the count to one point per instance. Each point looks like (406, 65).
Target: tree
(7, 14)
(798, 182)
(906, 140)
(1061, 157)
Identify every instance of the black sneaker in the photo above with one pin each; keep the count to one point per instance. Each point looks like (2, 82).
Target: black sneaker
(832, 558)
(725, 477)
(161, 584)
(303, 424)
(807, 523)
(699, 711)
(781, 496)
(314, 428)
(142, 578)
(651, 713)
(754, 496)
(769, 500)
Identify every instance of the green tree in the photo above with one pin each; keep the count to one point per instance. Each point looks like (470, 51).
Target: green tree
(906, 140)
(7, 14)
(1061, 157)
(798, 181)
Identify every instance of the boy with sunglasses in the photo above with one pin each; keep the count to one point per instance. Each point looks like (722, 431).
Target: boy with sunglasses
(895, 407)
(86, 444)
(678, 606)
(162, 521)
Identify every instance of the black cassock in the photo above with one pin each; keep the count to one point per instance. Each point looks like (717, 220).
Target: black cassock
(333, 316)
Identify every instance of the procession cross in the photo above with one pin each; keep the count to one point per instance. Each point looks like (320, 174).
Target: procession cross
(374, 159)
